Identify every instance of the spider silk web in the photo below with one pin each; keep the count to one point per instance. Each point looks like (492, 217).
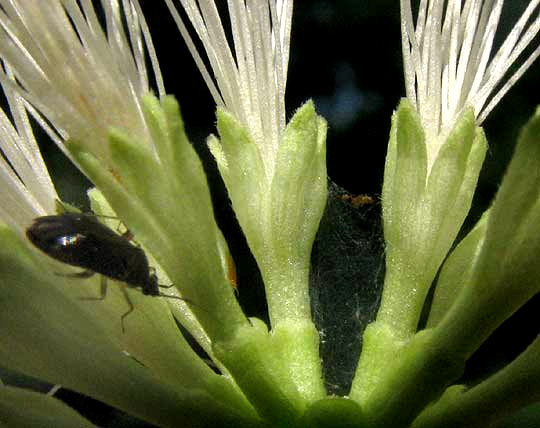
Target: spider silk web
(345, 281)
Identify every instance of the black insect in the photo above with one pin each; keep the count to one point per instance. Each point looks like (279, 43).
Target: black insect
(81, 240)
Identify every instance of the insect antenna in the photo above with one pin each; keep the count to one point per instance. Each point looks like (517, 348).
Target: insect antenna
(170, 296)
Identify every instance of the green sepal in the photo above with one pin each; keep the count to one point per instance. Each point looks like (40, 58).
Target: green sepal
(279, 203)
(296, 204)
(262, 373)
(297, 342)
(423, 209)
(279, 214)
(28, 409)
(457, 271)
(241, 167)
(62, 207)
(275, 370)
(299, 185)
(378, 339)
(185, 172)
(416, 375)
(512, 238)
(451, 186)
(404, 174)
(137, 168)
(506, 273)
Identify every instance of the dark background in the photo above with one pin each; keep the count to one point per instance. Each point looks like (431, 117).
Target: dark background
(346, 56)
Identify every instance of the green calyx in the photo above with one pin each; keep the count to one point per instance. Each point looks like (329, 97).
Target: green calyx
(423, 209)
(485, 279)
(279, 213)
(503, 271)
(279, 209)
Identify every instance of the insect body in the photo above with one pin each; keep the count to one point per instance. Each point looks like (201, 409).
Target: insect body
(81, 240)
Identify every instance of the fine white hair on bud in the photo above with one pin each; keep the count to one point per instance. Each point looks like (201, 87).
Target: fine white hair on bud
(249, 65)
(81, 66)
(449, 58)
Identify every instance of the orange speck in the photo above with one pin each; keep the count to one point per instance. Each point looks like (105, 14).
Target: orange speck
(231, 273)
(359, 200)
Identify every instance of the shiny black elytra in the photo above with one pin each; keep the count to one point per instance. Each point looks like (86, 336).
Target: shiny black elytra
(81, 240)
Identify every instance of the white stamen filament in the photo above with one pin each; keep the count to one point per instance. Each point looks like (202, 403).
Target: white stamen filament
(26, 189)
(251, 82)
(81, 80)
(448, 59)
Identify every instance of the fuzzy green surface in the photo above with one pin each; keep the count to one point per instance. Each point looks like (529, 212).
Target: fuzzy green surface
(505, 274)
(456, 271)
(423, 212)
(279, 216)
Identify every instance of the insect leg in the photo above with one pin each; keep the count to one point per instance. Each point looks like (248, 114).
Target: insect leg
(127, 234)
(130, 310)
(84, 274)
(102, 289)
(170, 296)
